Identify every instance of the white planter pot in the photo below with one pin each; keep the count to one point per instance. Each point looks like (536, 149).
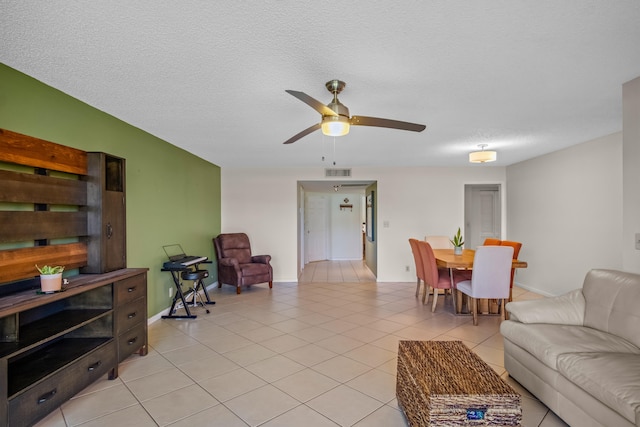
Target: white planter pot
(51, 282)
(457, 250)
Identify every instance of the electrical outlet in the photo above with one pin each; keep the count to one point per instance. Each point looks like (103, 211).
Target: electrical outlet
(170, 292)
(406, 268)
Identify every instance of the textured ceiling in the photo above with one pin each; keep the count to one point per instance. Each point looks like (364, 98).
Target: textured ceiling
(525, 77)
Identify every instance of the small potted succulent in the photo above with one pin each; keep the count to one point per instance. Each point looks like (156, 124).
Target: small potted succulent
(50, 278)
(457, 242)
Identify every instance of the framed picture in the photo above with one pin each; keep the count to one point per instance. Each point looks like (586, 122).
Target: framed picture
(370, 217)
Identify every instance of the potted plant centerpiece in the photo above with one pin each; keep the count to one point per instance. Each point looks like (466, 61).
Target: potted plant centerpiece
(457, 242)
(50, 278)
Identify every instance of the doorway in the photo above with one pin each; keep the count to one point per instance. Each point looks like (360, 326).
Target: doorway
(316, 227)
(331, 218)
(482, 213)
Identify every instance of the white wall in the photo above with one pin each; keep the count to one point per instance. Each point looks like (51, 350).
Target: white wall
(346, 226)
(566, 208)
(412, 202)
(263, 204)
(631, 171)
(415, 202)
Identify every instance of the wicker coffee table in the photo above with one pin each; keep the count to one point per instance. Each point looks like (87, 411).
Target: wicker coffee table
(443, 383)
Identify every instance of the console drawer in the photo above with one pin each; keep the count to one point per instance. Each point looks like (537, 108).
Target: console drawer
(131, 288)
(37, 401)
(131, 341)
(131, 314)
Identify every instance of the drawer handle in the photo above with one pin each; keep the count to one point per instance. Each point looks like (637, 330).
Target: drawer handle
(47, 396)
(94, 366)
(131, 315)
(132, 341)
(131, 289)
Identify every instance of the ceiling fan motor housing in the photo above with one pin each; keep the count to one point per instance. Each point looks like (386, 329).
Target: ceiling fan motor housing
(336, 125)
(335, 87)
(339, 108)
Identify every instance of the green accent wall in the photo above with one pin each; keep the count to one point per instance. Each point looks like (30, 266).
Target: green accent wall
(172, 196)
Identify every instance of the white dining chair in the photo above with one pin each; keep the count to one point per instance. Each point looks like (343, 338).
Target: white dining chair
(490, 277)
(439, 242)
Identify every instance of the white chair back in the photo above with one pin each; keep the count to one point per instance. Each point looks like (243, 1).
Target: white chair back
(439, 242)
(491, 275)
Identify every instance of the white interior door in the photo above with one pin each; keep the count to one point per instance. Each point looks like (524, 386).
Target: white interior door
(482, 214)
(316, 227)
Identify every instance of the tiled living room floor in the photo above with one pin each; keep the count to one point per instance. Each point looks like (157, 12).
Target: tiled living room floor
(318, 353)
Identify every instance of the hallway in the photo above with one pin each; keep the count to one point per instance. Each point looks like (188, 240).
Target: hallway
(336, 271)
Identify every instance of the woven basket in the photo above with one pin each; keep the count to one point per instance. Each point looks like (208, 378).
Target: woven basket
(443, 383)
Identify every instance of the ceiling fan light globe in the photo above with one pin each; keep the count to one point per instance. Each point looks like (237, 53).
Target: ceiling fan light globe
(335, 126)
(482, 156)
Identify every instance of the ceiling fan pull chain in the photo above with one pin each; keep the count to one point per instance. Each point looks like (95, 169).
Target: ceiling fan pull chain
(334, 151)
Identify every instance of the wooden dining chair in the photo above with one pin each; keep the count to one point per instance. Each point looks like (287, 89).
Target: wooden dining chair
(491, 242)
(516, 252)
(434, 277)
(419, 264)
(490, 277)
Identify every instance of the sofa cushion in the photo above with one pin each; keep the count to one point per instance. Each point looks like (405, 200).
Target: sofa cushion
(242, 255)
(611, 303)
(612, 378)
(567, 309)
(234, 245)
(547, 342)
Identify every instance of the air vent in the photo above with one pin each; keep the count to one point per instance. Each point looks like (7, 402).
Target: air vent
(337, 172)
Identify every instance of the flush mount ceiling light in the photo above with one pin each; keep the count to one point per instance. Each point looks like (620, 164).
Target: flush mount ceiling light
(482, 156)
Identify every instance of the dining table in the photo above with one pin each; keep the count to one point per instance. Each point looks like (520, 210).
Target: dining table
(446, 258)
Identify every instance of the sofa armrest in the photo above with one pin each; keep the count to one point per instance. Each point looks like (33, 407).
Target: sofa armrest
(261, 259)
(567, 309)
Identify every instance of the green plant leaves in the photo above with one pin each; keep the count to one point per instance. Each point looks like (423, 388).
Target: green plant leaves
(457, 240)
(47, 269)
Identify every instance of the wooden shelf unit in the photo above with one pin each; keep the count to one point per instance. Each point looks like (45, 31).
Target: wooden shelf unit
(54, 345)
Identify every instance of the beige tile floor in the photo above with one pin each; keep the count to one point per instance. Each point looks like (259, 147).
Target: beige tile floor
(318, 353)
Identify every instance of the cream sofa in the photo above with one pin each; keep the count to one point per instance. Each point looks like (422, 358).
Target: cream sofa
(579, 353)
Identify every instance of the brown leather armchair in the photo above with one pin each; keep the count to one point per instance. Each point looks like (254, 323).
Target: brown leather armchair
(236, 265)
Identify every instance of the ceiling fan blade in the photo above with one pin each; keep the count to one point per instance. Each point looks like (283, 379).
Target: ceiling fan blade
(386, 123)
(305, 132)
(313, 103)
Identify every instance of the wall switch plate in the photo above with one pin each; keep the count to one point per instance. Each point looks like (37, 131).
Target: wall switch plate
(638, 241)
(170, 292)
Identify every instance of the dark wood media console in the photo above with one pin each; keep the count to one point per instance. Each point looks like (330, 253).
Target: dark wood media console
(55, 345)
(63, 206)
